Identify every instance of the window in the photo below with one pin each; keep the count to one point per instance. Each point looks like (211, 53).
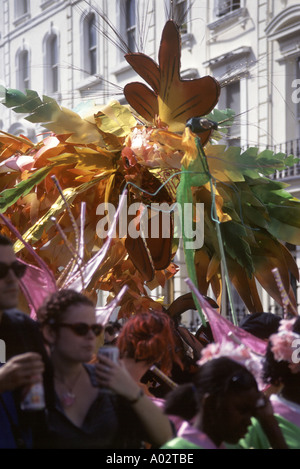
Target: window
(92, 45)
(21, 8)
(180, 14)
(51, 60)
(131, 25)
(223, 7)
(230, 99)
(53, 53)
(23, 71)
(233, 102)
(283, 31)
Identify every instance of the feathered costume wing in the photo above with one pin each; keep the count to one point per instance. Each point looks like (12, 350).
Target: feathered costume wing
(151, 152)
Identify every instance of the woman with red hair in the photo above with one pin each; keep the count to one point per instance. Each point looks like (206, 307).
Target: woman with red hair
(148, 339)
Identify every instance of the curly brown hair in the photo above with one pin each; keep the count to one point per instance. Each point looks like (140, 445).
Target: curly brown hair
(53, 309)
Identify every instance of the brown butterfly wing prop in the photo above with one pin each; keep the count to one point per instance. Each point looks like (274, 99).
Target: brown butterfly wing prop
(146, 68)
(181, 99)
(177, 99)
(154, 251)
(160, 221)
(142, 99)
(159, 242)
(140, 256)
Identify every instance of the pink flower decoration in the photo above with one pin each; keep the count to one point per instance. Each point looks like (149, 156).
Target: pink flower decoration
(286, 325)
(238, 353)
(17, 163)
(282, 343)
(150, 153)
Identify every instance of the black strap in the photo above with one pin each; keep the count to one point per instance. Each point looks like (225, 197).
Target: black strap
(19, 440)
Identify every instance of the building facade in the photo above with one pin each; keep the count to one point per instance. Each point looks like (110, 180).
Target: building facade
(74, 51)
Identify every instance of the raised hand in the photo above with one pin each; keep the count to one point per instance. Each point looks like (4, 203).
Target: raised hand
(21, 370)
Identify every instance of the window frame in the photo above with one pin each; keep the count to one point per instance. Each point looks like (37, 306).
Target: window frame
(234, 135)
(131, 29)
(52, 75)
(23, 80)
(89, 68)
(54, 65)
(20, 13)
(232, 5)
(92, 46)
(283, 30)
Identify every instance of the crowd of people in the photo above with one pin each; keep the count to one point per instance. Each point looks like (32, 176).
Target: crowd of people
(146, 398)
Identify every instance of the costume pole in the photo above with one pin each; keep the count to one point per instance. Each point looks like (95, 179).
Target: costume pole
(286, 302)
(219, 235)
(224, 264)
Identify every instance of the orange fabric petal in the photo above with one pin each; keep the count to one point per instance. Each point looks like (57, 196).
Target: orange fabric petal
(177, 100)
(146, 68)
(142, 99)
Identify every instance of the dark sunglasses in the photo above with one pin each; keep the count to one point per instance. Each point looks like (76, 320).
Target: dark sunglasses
(17, 267)
(82, 329)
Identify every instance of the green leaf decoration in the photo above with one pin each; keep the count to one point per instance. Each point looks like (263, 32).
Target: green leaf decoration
(224, 119)
(55, 118)
(269, 191)
(20, 102)
(233, 164)
(9, 196)
(236, 245)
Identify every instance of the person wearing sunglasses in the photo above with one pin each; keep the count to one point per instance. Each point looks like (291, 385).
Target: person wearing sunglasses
(86, 415)
(111, 332)
(218, 406)
(25, 357)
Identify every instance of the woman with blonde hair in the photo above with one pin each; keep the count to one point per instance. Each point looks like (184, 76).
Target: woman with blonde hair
(86, 415)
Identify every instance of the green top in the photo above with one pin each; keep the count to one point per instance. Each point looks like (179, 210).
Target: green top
(180, 443)
(254, 439)
(257, 439)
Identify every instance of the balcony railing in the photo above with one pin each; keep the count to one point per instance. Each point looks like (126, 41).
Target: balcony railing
(291, 147)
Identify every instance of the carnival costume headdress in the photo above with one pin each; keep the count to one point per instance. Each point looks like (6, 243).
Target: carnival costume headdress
(160, 149)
